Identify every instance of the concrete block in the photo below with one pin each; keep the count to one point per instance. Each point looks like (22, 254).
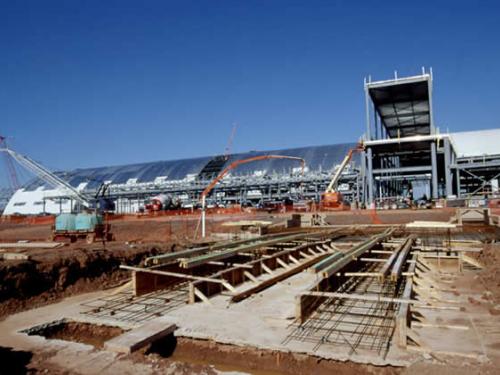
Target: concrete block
(138, 338)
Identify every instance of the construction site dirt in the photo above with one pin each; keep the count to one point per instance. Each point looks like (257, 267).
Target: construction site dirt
(243, 301)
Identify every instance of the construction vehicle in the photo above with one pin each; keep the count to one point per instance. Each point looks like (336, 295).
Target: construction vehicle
(332, 198)
(162, 202)
(70, 227)
(89, 222)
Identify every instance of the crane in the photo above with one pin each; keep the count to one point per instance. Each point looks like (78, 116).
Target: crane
(229, 146)
(14, 181)
(332, 198)
(232, 166)
(47, 176)
(71, 228)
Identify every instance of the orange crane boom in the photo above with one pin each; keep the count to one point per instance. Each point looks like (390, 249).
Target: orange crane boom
(236, 163)
(232, 166)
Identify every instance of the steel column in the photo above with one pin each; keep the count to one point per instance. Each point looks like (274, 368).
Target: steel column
(431, 113)
(367, 108)
(369, 175)
(363, 176)
(447, 169)
(434, 188)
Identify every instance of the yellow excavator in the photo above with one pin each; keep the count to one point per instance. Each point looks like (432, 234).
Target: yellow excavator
(332, 199)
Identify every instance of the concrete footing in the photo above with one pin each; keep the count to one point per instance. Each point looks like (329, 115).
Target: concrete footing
(140, 337)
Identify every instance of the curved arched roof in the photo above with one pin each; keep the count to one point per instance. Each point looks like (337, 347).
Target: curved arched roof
(317, 158)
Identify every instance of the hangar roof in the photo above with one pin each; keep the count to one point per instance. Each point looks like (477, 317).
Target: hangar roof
(477, 143)
(317, 158)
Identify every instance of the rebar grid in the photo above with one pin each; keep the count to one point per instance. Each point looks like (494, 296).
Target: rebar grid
(125, 307)
(355, 323)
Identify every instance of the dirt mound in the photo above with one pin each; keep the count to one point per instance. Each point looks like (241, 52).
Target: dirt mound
(490, 274)
(51, 275)
(144, 230)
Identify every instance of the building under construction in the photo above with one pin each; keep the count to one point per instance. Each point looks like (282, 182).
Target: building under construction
(364, 291)
(403, 146)
(405, 159)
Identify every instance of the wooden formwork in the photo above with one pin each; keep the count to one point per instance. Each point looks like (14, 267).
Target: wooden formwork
(403, 315)
(291, 260)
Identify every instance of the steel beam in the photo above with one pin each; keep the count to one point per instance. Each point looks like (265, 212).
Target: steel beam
(355, 253)
(401, 260)
(423, 168)
(223, 254)
(165, 258)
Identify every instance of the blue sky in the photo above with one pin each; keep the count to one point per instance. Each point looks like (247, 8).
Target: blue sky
(92, 83)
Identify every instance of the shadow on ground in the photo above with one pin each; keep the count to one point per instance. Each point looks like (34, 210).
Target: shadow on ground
(14, 362)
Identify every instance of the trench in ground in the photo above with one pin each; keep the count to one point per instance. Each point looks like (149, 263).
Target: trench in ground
(246, 359)
(68, 330)
(196, 355)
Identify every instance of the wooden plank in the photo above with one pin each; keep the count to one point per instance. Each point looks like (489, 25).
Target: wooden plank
(250, 276)
(304, 255)
(403, 314)
(408, 274)
(452, 249)
(267, 269)
(239, 265)
(374, 260)
(30, 245)
(228, 286)
(14, 256)
(361, 297)
(444, 326)
(415, 337)
(472, 261)
(145, 282)
(201, 296)
(313, 253)
(282, 264)
(360, 274)
(172, 274)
